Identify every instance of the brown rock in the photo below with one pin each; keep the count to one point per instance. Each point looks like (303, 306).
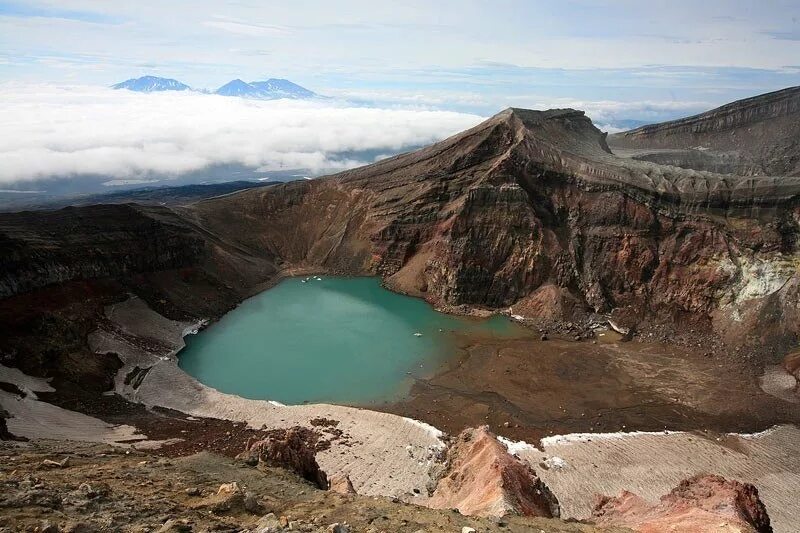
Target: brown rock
(481, 478)
(48, 527)
(701, 504)
(292, 449)
(251, 504)
(80, 527)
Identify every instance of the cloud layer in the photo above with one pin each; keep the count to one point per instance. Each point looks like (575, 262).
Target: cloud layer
(50, 131)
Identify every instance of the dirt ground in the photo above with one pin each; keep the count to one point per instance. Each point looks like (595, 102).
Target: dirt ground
(101, 488)
(526, 389)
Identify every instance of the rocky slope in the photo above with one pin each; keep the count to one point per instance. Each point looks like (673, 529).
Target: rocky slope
(754, 136)
(702, 504)
(102, 488)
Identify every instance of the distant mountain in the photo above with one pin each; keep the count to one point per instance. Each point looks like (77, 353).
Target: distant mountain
(278, 88)
(149, 84)
(271, 89)
(239, 88)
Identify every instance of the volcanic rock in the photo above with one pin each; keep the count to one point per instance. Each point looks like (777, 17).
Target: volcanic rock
(529, 208)
(754, 136)
(481, 478)
(341, 483)
(702, 504)
(292, 449)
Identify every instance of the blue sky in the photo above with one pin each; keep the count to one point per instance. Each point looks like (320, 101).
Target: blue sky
(627, 59)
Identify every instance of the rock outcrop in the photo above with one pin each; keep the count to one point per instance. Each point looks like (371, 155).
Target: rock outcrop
(754, 136)
(702, 504)
(292, 449)
(481, 478)
(4, 433)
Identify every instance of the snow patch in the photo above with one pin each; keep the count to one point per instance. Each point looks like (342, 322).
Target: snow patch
(756, 435)
(556, 463)
(560, 440)
(432, 431)
(27, 384)
(193, 329)
(515, 447)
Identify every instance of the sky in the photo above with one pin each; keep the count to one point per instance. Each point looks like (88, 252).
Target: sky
(620, 61)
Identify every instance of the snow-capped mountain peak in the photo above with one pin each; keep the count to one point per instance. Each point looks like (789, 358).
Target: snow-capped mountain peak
(149, 84)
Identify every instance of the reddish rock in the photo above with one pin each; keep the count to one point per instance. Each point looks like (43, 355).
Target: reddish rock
(701, 504)
(482, 479)
(341, 483)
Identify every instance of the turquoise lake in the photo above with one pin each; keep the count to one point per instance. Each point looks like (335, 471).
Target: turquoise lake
(336, 340)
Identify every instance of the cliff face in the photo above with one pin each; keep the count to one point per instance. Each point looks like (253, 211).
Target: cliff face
(755, 136)
(533, 201)
(86, 243)
(525, 208)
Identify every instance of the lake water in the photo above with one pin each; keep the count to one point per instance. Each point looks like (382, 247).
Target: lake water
(336, 340)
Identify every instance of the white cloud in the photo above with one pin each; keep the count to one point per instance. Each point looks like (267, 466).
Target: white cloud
(58, 131)
(604, 113)
(240, 27)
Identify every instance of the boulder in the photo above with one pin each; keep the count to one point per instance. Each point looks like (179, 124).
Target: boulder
(701, 504)
(341, 483)
(292, 449)
(268, 524)
(229, 498)
(251, 504)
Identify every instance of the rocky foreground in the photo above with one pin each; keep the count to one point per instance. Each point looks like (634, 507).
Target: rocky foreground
(49, 486)
(100, 488)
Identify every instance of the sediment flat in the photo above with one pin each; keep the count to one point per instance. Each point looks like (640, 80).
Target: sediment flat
(527, 389)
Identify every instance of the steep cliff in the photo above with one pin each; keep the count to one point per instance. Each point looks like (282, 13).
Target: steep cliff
(534, 201)
(525, 208)
(754, 136)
